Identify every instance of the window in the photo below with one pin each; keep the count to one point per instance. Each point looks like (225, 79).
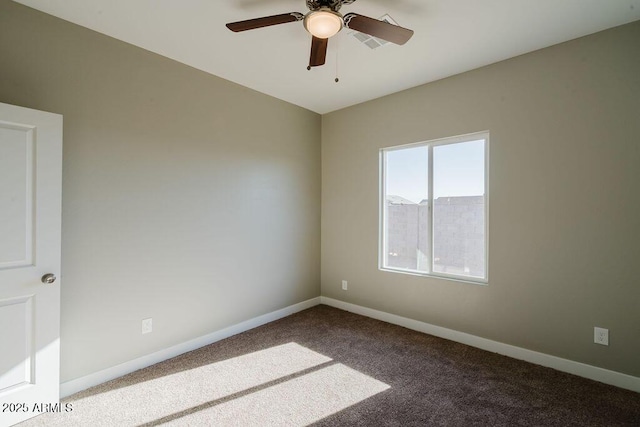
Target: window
(434, 208)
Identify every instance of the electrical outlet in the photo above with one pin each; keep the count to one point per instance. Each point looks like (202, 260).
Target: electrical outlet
(601, 336)
(344, 285)
(147, 325)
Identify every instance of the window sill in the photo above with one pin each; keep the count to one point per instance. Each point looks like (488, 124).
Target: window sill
(466, 280)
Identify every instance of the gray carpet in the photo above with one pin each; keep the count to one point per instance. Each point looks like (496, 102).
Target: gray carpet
(327, 367)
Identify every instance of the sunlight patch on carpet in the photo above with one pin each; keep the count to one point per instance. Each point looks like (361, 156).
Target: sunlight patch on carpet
(286, 384)
(299, 401)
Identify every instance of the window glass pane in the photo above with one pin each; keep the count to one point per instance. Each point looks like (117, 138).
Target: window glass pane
(459, 209)
(406, 208)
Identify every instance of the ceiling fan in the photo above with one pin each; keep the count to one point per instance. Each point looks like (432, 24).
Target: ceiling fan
(324, 21)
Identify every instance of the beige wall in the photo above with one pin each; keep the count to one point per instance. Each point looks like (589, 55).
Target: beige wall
(186, 198)
(564, 201)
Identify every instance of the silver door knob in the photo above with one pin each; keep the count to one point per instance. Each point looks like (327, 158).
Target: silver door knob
(48, 278)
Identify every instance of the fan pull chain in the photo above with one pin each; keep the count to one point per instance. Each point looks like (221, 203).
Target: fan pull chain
(337, 56)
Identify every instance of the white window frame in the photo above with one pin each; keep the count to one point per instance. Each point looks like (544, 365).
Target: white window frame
(382, 244)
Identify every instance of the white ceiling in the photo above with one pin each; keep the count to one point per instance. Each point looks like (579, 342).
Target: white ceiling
(451, 36)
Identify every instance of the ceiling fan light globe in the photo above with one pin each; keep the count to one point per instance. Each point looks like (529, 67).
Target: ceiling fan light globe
(323, 23)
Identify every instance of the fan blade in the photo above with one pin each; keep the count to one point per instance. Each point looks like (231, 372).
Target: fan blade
(267, 21)
(318, 51)
(380, 29)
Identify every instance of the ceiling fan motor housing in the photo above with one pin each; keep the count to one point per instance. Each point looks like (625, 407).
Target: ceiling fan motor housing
(334, 5)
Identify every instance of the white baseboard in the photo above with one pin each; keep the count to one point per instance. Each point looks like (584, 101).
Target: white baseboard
(576, 368)
(70, 387)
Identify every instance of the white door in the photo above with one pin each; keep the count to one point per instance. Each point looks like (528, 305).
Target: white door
(30, 193)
